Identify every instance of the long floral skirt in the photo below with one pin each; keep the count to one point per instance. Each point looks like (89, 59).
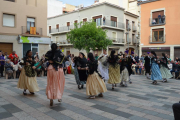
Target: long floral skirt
(95, 85)
(27, 83)
(55, 83)
(156, 74)
(114, 74)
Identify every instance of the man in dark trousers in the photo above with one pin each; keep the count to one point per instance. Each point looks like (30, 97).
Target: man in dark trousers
(136, 58)
(176, 110)
(147, 64)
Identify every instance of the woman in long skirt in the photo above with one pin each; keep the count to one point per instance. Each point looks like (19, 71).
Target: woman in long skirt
(165, 72)
(95, 84)
(156, 74)
(27, 79)
(114, 69)
(55, 74)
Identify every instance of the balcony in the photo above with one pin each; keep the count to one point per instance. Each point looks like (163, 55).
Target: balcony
(157, 39)
(134, 28)
(33, 31)
(117, 40)
(128, 41)
(128, 27)
(64, 29)
(112, 24)
(63, 43)
(135, 41)
(157, 21)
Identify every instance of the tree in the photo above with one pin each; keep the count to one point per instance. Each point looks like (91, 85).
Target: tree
(87, 36)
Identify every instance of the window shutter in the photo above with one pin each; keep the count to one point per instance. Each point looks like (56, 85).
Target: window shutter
(113, 18)
(155, 14)
(8, 20)
(85, 19)
(57, 26)
(75, 21)
(68, 23)
(96, 17)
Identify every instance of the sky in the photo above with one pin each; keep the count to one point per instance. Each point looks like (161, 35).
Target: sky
(79, 2)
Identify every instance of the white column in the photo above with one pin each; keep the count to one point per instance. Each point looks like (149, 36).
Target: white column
(172, 52)
(140, 50)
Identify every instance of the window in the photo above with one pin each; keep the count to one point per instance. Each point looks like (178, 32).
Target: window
(49, 29)
(75, 21)
(68, 23)
(127, 23)
(158, 35)
(113, 21)
(10, 0)
(158, 17)
(28, 46)
(98, 20)
(85, 20)
(30, 23)
(57, 26)
(8, 20)
(114, 36)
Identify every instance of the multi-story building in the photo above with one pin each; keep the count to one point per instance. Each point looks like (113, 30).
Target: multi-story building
(60, 25)
(55, 7)
(23, 26)
(159, 27)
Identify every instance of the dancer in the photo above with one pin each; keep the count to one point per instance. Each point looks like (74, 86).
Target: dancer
(114, 70)
(27, 79)
(147, 64)
(55, 74)
(156, 74)
(82, 72)
(130, 60)
(165, 72)
(103, 65)
(124, 72)
(95, 84)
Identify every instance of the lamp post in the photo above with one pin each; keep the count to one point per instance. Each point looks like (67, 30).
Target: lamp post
(127, 39)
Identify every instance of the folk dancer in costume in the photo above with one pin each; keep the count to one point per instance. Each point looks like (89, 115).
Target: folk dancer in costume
(147, 65)
(123, 70)
(114, 69)
(165, 72)
(81, 69)
(27, 79)
(103, 65)
(55, 74)
(95, 84)
(156, 74)
(130, 60)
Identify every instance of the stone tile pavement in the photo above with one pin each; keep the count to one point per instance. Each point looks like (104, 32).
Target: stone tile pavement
(139, 101)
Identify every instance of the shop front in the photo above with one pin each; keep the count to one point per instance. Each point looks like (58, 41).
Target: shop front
(158, 50)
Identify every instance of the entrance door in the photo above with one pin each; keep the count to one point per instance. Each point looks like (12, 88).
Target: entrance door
(6, 47)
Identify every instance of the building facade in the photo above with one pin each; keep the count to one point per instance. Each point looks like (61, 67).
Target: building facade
(114, 23)
(23, 26)
(159, 28)
(55, 7)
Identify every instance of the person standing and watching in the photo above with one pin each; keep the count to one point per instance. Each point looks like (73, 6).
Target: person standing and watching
(159, 17)
(13, 55)
(36, 55)
(136, 58)
(2, 61)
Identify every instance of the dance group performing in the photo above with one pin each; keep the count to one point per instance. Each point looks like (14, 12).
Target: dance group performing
(115, 69)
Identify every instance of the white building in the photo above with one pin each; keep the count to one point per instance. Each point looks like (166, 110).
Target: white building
(55, 7)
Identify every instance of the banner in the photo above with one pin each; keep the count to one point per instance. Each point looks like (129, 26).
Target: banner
(41, 40)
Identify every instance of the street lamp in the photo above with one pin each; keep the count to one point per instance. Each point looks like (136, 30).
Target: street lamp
(127, 39)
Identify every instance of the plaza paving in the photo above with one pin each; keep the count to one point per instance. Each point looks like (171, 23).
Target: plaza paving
(139, 101)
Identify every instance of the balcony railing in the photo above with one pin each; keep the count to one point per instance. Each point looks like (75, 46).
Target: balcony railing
(134, 28)
(62, 29)
(113, 24)
(32, 31)
(157, 39)
(117, 40)
(135, 41)
(157, 21)
(128, 27)
(128, 41)
(63, 42)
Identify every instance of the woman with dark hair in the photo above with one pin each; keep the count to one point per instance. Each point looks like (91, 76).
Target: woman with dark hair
(27, 78)
(165, 72)
(156, 74)
(114, 69)
(55, 74)
(95, 84)
(81, 64)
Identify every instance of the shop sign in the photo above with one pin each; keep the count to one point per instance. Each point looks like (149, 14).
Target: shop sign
(37, 40)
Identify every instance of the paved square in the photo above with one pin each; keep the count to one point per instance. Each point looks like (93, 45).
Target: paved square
(139, 101)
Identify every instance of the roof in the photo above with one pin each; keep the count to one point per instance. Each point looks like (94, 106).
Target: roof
(148, 1)
(131, 14)
(84, 8)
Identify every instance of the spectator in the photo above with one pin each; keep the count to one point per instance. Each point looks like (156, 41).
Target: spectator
(176, 111)
(142, 58)
(175, 68)
(44, 68)
(38, 70)
(104, 20)
(136, 58)
(6, 55)
(2, 61)
(36, 55)
(137, 68)
(163, 18)
(15, 61)
(140, 67)
(13, 55)
(9, 68)
(170, 65)
(43, 57)
(154, 21)
(96, 56)
(177, 59)
(159, 17)
(168, 58)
